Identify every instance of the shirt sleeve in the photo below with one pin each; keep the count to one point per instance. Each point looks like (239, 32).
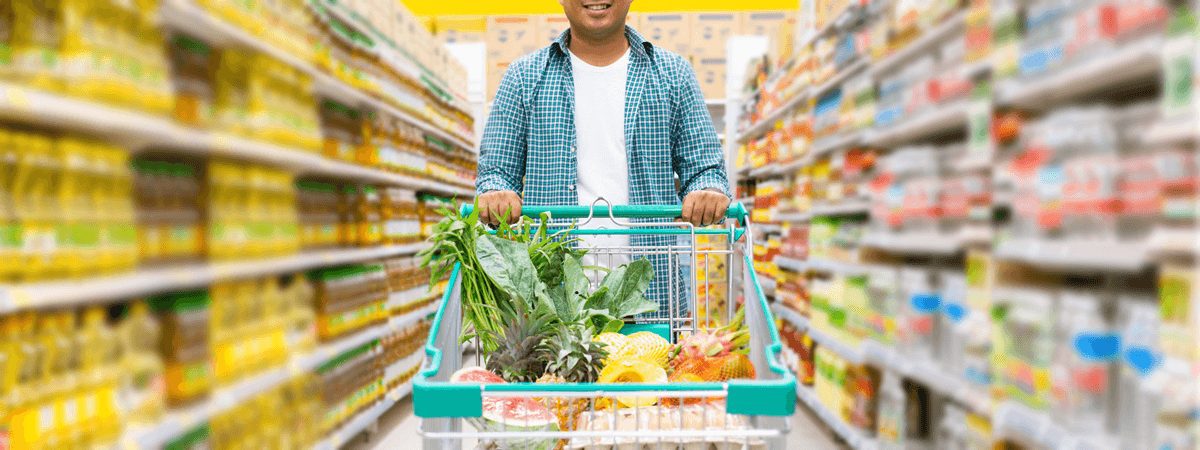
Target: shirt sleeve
(696, 150)
(503, 147)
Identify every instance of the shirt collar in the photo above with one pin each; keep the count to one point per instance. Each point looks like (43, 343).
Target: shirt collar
(640, 46)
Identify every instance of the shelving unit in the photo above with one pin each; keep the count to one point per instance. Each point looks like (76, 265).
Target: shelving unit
(369, 416)
(1131, 82)
(185, 16)
(435, 115)
(179, 421)
(74, 292)
(852, 437)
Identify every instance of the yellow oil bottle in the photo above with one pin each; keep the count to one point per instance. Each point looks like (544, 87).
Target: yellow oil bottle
(25, 430)
(10, 227)
(142, 370)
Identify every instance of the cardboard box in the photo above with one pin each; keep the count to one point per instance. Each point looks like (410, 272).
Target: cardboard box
(552, 25)
(459, 29)
(672, 31)
(763, 23)
(711, 33)
(710, 72)
(510, 37)
(495, 72)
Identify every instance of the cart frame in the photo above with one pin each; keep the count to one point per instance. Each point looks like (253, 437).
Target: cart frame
(740, 413)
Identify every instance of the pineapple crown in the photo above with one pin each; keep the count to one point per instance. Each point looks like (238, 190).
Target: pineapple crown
(517, 359)
(573, 355)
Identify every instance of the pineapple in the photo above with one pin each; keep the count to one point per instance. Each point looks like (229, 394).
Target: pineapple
(571, 357)
(646, 346)
(612, 341)
(518, 358)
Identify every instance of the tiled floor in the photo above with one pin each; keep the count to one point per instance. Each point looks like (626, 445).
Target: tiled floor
(398, 430)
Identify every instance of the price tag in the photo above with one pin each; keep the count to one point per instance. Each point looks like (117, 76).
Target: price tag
(222, 145)
(20, 299)
(17, 98)
(179, 276)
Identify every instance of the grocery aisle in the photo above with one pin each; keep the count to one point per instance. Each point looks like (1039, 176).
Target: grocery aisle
(211, 215)
(979, 220)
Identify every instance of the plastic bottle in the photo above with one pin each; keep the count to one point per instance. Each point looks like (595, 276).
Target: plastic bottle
(1141, 357)
(143, 385)
(952, 429)
(919, 313)
(892, 401)
(8, 373)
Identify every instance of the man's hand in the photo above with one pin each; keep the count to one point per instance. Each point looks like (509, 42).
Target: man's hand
(496, 204)
(705, 207)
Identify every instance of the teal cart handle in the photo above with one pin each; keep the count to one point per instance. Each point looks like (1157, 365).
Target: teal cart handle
(735, 211)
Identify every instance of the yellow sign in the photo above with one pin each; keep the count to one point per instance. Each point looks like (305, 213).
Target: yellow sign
(518, 7)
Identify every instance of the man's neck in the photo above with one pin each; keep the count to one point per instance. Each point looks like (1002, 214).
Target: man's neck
(599, 52)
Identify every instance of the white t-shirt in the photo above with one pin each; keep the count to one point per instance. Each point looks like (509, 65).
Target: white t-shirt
(600, 145)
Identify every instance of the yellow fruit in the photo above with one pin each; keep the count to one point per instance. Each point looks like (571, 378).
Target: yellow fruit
(612, 342)
(633, 371)
(645, 346)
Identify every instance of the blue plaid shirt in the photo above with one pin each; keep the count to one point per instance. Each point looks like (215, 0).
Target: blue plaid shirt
(529, 139)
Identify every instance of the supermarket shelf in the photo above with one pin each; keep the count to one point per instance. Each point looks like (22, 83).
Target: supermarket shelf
(1180, 130)
(940, 120)
(792, 165)
(1077, 255)
(69, 292)
(767, 284)
(840, 21)
(838, 267)
(874, 353)
(768, 122)
(922, 243)
(747, 201)
(192, 19)
(834, 143)
(853, 438)
(364, 419)
(851, 69)
(1020, 423)
(764, 171)
(715, 102)
(793, 217)
(178, 422)
(1131, 62)
(843, 208)
(928, 41)
(140, 131)
(792, 264)
(769, 228)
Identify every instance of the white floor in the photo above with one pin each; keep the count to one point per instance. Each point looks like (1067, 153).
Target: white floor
(398, 430)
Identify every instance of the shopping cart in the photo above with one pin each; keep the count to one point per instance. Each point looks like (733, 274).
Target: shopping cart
(742, 413)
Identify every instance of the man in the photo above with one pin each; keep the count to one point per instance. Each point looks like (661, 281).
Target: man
(602, 113)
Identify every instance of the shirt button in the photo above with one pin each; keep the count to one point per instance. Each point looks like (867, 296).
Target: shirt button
(572, 149)
(571, 187)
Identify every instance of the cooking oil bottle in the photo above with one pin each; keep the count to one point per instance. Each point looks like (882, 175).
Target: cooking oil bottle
(28, 351)
(8, 374)
(10, 230)
(143, 384)
(37, 38)
(100, 373)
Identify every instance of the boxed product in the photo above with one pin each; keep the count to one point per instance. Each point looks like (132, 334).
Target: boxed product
(671, 31)
(510, 37)
(711, 33)
(459, 29)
